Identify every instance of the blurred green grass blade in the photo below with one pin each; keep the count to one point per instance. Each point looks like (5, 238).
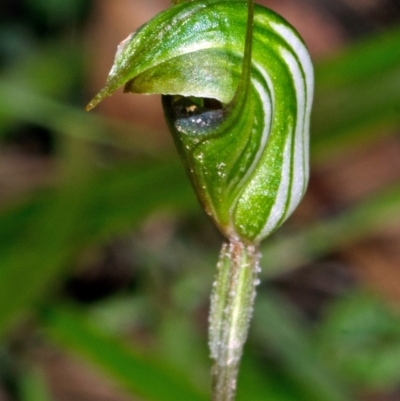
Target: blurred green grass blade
(346, 118)
(33, 386)
(123, 198)
(38, 256)
(182, 344)
(360, 61)
(22, 104)
(333, 233)
(38, 74)
(116, 200)
(357, 94)
(38, 240)
(52, 69)
(360, 335)
(258, 382)
(151, 379)
(278, 329)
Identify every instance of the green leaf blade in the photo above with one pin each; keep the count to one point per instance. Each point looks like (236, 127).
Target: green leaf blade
(143, 376)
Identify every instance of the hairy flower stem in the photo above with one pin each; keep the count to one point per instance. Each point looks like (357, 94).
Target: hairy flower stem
(232, 302)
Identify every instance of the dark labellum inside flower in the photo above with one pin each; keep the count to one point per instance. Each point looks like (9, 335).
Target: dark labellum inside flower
(193, 115)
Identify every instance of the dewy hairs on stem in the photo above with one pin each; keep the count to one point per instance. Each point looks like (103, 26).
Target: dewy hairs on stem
(237, 86)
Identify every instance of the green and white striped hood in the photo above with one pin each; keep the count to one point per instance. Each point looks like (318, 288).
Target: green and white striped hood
(249, 160)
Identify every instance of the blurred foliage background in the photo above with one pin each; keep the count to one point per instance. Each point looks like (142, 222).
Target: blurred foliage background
(106, 259)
